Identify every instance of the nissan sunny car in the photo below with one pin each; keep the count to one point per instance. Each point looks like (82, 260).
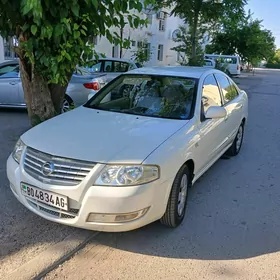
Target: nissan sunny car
(129, 155)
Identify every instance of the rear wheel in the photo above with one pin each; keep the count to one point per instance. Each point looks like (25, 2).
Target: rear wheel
(237, 143)
(176, 207)
(67, 104)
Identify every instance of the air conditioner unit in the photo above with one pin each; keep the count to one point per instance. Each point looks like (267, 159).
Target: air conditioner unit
(160, 15)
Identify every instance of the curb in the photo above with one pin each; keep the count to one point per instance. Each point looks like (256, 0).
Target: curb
(52, 257)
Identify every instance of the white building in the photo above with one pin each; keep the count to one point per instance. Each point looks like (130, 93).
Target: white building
(158, 35)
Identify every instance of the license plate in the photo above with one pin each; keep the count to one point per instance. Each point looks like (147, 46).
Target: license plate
(50, 198)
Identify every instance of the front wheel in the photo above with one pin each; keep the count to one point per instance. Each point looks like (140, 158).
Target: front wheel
(176, 207)
(237, 143)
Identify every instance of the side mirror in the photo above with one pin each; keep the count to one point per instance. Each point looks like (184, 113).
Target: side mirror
(216, 112)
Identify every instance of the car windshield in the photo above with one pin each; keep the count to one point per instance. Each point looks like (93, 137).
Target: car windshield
(147, 95)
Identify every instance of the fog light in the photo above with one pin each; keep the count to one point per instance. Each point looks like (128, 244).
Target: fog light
(131, 216)
(116, 218)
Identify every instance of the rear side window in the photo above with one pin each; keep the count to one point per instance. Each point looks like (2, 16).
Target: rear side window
(228, 89)
(108, 66)
(120, 66)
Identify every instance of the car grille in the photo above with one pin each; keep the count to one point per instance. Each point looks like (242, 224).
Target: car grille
(55, 212)
(66, 172)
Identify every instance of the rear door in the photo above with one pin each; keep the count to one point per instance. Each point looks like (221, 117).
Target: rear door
(9, 85)
(232, 102)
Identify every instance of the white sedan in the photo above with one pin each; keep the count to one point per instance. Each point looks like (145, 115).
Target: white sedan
(129, 155)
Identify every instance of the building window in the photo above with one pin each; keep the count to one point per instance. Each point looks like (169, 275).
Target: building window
(9, 48)
(95, 40)
(150, 19)
(147, 49)
(115, 51)
(139, 44)
(160, 53)
(133, 43)
(161, 25)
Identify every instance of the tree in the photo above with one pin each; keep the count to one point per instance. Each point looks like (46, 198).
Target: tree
(274, 61)
(184, 48)
(53, 38)
(205, 16)
(249, 40)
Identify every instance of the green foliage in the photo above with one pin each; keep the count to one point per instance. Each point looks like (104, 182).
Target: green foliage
(274, 61)
(247, 38)
(205, 17)
(54, 35)
(273, 65)
(143, 53)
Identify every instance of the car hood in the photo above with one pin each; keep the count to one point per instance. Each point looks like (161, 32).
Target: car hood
(100, 136)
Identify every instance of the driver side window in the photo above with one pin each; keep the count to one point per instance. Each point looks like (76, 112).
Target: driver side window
(210, 93)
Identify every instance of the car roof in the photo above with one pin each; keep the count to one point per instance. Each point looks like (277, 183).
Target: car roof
(116, 59)
(8, 62)
(181, 71)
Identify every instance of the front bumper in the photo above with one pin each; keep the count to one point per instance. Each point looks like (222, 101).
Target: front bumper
(102, 201)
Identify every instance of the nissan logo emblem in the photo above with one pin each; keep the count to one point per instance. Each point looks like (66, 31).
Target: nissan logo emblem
(47, 168)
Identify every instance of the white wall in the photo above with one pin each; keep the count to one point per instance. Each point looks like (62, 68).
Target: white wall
(1, 50)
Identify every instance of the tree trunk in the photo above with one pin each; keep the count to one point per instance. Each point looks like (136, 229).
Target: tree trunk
(57, 95)
(193, 40)
(198, 5)
(43, 101)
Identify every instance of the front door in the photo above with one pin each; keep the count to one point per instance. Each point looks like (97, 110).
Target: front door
(212, 135)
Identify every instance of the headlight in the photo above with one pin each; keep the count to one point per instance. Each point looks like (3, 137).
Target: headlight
(127, 175)
(17, 152)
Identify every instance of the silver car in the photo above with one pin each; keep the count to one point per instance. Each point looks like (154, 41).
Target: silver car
(81, 85)
(112, 67)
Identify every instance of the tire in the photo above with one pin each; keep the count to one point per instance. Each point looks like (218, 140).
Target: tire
(175, 212)
(67, 104)
(237, 143)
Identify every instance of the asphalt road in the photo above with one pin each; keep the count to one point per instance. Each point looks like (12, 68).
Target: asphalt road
(23, 235)
(232, 229)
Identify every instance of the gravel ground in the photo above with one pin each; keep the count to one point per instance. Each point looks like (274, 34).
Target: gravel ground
(232, 230)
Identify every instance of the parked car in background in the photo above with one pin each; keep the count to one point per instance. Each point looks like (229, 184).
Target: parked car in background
(112, 67)
(233, 62)
(209, 63)
(128, 157)
(81, 85)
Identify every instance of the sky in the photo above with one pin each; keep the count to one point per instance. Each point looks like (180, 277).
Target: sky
(268, 11)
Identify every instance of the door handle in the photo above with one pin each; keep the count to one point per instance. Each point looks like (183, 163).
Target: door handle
(13, 83)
